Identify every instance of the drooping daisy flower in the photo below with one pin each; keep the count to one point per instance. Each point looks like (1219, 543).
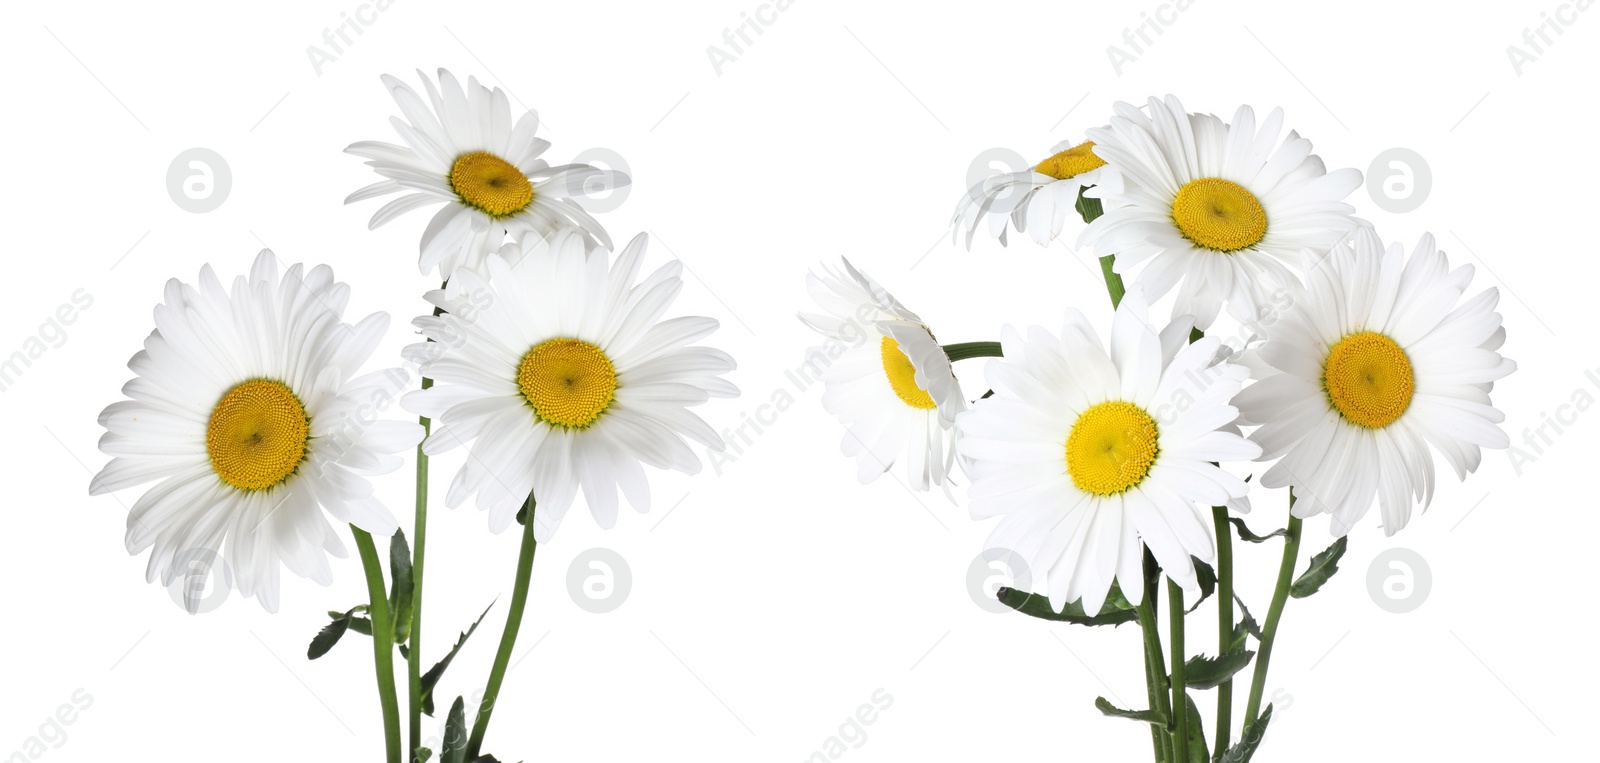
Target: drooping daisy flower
(1372, 363)
(1085, 454)
(891, 383)
(1037, 200)
(246, 407)
(1220, 207)
(563, 376)
(462, 151)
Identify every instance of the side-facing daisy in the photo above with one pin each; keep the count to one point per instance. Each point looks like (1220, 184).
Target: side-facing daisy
(246, 407)
(563, 376)
(889, 381)
(461, 150)
(1086, 453)
(1037, 200)
(1220, 207)
(1372, 363)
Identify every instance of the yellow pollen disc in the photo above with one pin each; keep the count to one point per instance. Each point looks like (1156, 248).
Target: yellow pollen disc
(902, 376)
(490, 184)
(1368, 379)
(1111, 448)
(1219, 215)
(258, 435)
(569, 383)
(1071, 162)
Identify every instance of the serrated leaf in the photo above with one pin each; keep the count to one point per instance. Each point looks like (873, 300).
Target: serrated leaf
(1249, 739)
(1323, 565)
(1034, 605)
(1202, 672)
(1199, 751)
(1148, 716)
(329, 635)
(1208, 582)
(1250, 537)
(401, 591)
(431, 678)
(455, 734)
(361, 625)
(1247, 627)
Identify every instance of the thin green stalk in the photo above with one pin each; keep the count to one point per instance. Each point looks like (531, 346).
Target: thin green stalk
(1269, 629)
(419, 534)
(1113, 281)
(965, 350)
(1219, 517)
(382, 642)
(1155, 664)
(508, 639)
(1180, 686)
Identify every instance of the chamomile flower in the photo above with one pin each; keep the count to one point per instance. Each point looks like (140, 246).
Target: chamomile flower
(246, 408)
(890, 382)
(1086, 454)
(1037, 200)
(1374, 362)
(1222, 208)
(461, 150)
(561, 375)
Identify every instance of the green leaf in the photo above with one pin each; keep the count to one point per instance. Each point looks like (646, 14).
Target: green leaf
(1115, 611)
(361, 625)
(1250, 537)
(1148, 716)
(1199, 751)
(400, 593)
(329, 635)
(1322, 567)
(1249, 739)
(1204, 672)
(486, 759)
(455, 734)
(1208, 582)
(1247, 627)
(431, 678)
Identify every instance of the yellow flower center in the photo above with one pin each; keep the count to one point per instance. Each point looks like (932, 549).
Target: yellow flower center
(258, 434)
(490, 184)
(1219, 215)
(569, 383)
(1368, 379)
(902, 376)
(1111, 447)
(1071, 162)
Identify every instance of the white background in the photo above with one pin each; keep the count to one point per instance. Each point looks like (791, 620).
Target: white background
(769, 601)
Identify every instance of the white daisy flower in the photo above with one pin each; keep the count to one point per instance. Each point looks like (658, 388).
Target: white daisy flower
(562, 376)
(1220, 207)
(463, 152)
(1372, 363)
(1085, 454)
(891, 384)
(1037, 200)
(246, 407)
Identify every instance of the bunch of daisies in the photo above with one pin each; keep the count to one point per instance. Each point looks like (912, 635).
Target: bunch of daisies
(547, 359)
(1111, 461)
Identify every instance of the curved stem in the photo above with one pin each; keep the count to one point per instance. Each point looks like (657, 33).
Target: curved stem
(1155, 664)
(1269, 630)
(1219, 517)
(1180, 696)
(965, 350)
(508, 639)
(419, 534)
(382, 642)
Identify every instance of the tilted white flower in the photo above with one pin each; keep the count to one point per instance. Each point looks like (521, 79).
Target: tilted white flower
(1037, 200)
(246, 407)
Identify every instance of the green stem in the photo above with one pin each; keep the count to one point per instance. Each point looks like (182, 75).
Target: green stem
(1180, 696)
(508, 639)
(419, 549)
(1219, 517)
(1113, 281)
(965, 350)
(1269, 630)
(1155, 664)
(382, 642)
